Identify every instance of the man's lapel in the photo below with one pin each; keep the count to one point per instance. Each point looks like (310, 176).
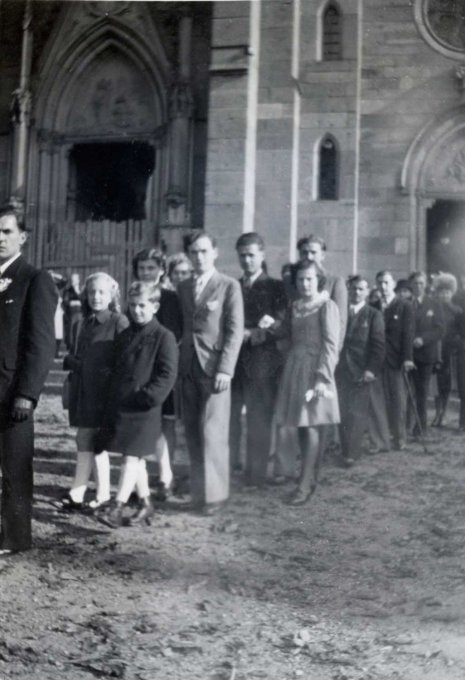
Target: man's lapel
(207, 291)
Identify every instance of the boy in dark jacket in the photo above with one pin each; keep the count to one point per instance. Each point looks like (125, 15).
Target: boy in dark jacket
(144, 372)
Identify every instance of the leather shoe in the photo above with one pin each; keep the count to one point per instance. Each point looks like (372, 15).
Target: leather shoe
(347, 462)
(301, 496)
(211, 509)
(6, 552)
(113, 518)
(144, 514)
(68, 504)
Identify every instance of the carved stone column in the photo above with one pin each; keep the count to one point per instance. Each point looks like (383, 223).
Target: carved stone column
(180, 112)
(20, 110)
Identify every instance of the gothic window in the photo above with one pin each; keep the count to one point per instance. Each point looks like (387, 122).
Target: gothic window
(328, 170)
(331, 34)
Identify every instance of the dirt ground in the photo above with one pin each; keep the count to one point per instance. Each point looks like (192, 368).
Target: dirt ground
(365, 583)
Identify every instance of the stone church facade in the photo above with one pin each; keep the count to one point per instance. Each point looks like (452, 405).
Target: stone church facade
(123, 124)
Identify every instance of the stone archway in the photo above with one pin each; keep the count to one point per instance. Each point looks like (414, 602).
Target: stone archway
(434, 170)
(105, 81)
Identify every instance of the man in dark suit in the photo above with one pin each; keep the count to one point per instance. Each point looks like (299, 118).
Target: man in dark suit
(28, 301)
(359, 365)
(428, 331)
(256, 376)
(213, 327)
(390, 395)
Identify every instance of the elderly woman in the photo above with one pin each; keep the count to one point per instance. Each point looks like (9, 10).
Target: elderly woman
(307, 396)
(445, 287)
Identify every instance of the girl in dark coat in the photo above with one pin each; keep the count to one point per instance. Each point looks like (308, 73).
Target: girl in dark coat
(89, 363)
(143, 374)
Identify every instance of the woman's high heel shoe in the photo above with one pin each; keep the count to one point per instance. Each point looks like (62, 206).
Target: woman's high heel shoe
(144, 514)
(301, 496)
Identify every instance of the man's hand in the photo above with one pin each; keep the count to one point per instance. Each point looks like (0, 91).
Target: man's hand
(22, 409)
(408, 366)
(222, 382)
(418, 342)
(368, 377)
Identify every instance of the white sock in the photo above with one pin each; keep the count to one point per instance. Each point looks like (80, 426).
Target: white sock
(128, 478)
(84, 464)
(142, 483)
(164, 464)
(102, 476)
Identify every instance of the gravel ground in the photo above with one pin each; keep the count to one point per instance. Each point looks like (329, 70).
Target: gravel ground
(365, 583)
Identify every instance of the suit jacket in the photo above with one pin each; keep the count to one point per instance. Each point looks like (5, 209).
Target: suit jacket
(430, 327)
(169, 313)
(144, 371)
(364, 345)
(213, 327)
(399, 328)
(265, 296)
(27, 333)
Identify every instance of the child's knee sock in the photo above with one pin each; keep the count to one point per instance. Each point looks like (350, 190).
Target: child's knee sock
(142, 483)
(102, 476)
(164, 464)
(84, 463)
(128, 478)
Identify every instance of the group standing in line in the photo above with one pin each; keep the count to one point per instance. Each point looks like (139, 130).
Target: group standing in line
(308, 356)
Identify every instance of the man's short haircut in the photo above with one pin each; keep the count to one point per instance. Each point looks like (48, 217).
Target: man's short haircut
(197, 234)
(152, 291)
(250, 238)
(305, 264)
(417, 275)
(358, 278)
(155, 254)
(14, 208)
(307, 240)
(384, 272)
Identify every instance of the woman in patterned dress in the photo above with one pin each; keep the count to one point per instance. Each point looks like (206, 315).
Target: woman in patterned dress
(307, 397)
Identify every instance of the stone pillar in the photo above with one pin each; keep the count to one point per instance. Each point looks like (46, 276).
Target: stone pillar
(180, 111)
(20, 110)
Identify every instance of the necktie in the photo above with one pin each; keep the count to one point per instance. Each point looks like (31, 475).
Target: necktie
(197, 288)
(247, 283)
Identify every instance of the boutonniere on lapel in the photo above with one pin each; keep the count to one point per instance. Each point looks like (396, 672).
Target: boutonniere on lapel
(430, 312)
(212, 305)
(4, 283)
(395, 317)
(365, 324)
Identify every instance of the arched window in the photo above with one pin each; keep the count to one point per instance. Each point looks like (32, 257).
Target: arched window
(331, 34)
(328, 171)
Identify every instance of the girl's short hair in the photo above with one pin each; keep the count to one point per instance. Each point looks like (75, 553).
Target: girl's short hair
(306, 264)
(152, 291)
(155, 254)
(114, 305)
(174, 260)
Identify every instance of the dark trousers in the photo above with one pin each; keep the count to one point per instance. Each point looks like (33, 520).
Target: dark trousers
(421, 378)
(395, 397)
(354, 399)
(16, 454)
(206, 421)
(258, 396)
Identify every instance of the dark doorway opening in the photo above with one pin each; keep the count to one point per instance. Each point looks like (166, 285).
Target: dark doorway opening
(109, 181)
(445, 225)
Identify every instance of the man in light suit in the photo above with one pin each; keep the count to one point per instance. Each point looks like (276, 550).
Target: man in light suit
(28, 301)
(256, 377)
(213, 328)
(359, 365)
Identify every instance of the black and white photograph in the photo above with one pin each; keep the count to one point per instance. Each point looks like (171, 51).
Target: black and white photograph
(232, 339)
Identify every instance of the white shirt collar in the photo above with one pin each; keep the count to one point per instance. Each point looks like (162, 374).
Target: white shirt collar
(203, 279)
(356, 308)
(254, 277)
(387, 301)
(5, 265)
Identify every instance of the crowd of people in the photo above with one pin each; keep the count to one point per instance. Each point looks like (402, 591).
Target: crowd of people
(307, 361)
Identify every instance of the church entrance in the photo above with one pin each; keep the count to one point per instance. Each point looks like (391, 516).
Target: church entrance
(109, 181)
(445, 227)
